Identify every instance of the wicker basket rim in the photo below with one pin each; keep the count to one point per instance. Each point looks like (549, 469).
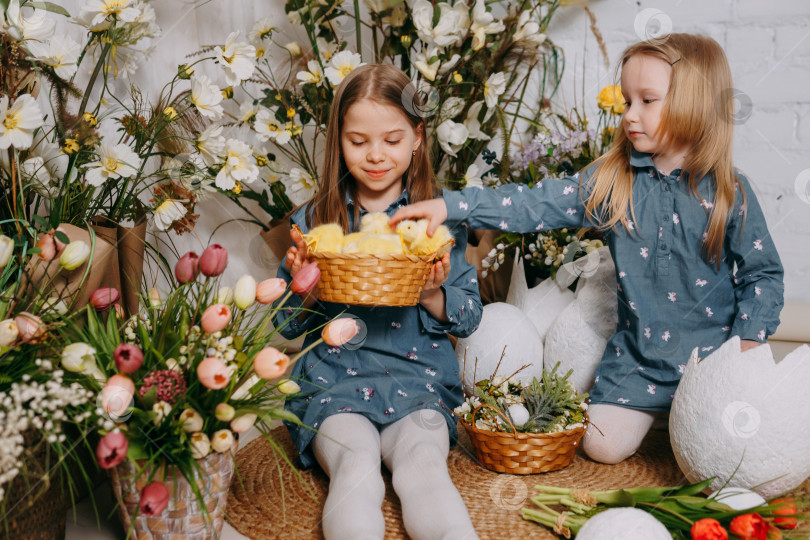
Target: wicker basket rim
(515, 435)
(360, 256)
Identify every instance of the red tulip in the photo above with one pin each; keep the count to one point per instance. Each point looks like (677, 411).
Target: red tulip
(708, 529)
(30, 327)
(47, 247)
(102, 298)
(128, 358)
(187, 267)
(749, 527)
(117, 395)
(306, 279)
(270, 290)
(215, 318)
(270, 363)
(340, 331)
(785, 507)
(213, 373)
(112, 449)
(154, 499)
(213, 260)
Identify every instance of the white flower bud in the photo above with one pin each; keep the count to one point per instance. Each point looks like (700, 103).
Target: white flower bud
(192, 420)
(222, 440)
(200, 445)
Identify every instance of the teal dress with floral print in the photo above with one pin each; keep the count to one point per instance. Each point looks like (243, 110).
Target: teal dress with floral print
(400, 362)
(670, 298)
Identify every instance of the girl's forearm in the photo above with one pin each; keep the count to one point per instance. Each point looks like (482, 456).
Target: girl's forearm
(434, 302)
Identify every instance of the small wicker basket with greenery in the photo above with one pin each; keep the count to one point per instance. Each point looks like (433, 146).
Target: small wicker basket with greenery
(525, 429)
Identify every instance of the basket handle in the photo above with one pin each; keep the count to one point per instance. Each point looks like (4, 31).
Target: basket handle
(497, 411)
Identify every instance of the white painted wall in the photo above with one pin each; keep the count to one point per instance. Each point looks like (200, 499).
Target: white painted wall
(768, 45)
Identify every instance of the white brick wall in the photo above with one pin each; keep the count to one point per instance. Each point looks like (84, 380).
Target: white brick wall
(768, 46)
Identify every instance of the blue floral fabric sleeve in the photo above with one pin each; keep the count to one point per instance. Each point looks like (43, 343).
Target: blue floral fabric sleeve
(462, 299)
(550, 204)
(758, 281)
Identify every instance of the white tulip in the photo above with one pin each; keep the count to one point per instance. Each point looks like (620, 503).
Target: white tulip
(224, 295)
(162, 409)
(8, 332)
(243, 423)
(54, 304)
(244, 292)
(78, 357)
(6, 249)
(288, 387)
(222, 440)
(200, 445)
(75, 254)
(192, 420)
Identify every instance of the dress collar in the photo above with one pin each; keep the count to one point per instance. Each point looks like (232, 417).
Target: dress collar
(402, 200)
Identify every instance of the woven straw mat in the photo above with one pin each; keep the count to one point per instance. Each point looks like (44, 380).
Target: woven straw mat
(259, 507)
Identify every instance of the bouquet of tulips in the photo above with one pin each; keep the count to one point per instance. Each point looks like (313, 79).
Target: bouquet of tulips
(682, 510)
(191, 371)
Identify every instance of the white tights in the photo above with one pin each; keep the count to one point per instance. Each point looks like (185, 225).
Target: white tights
(619, 434)
(349, 448)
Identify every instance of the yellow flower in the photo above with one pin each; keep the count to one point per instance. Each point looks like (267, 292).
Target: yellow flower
(170, 113)
(290, 113)
(227, 93)
(610, 99)
(71, 146)
(261, 161)
(237, 188)
(457, 77)
(91, 120)
(609, 131)
(184, 71)
(406, 41)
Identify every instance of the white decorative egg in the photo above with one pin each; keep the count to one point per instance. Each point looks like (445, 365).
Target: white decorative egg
(501, 325)
(519, 414)
(738, 498)
(542, 303)
(742, 418)
(623, 524)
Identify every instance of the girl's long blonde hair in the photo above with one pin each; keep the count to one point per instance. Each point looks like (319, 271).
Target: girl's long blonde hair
(697, 113)
(388, 85)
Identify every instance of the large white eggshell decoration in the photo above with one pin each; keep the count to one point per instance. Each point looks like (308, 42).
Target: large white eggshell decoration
(542, 303)
(738, 498)
(578, 336)
(501, 325)
(623, 524)
(741, 413)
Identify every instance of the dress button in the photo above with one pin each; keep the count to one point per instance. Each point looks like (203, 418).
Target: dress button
(663, 245)
(666, 218)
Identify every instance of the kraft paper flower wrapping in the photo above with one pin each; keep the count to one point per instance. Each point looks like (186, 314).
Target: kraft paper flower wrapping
(742, 414)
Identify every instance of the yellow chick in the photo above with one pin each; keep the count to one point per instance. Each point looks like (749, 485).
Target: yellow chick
(375, 244)
(414, 236)
(327, 237)
(350, 240)
(376, 222)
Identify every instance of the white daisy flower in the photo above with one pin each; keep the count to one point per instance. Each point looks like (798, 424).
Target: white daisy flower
(341, 65)
(206, 97)
(472, 176)
(117, 161)
(262, 30)
(35, 27)
(45, 162)
(18, 122)
(313, 75)
(268, 128)
(99, 13)
(452, 136)
(236, 58)
(493, 88)
(239, 165)
(211, 144)
(167, 213)
(247, 112)
(326, 49)
(300, 185)
(60, 53)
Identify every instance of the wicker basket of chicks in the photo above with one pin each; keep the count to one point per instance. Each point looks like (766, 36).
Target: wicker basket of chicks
(378, 265)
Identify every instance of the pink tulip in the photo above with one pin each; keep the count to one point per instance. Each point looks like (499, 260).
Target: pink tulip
(128, 358)
(112, 449)
(340, 331)
(270, 290)
(117, 394)
(30, 327)
(215, 318)
(213, 260)
(103, 297)
(270, 363)
(154, 499)
(306, 279)
(213, 373)
(47, 247)
(187, 267)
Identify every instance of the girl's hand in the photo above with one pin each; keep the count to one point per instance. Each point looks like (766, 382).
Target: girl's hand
(746, 344)
(296, 256)
(432, 297)
(435, 210)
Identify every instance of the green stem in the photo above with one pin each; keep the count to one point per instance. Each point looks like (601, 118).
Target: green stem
(92, 81)
(357, 29)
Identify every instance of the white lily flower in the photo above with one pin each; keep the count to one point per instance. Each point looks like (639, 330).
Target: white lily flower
(472, 123)
(493, 88)
(472, 177)
(35, 27)
(341, 65)
(529, 29)
(452, 136)
(18, 122)
(300, 185)
(167, 213)
(239, 165)
(117, 161)
(447, 65)
(60, 53)
(483, 23)
(421, 61)
(100, 12)
(236, 58)
(454, 21)
(211, 144)
(206, 97)
(314, 75)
